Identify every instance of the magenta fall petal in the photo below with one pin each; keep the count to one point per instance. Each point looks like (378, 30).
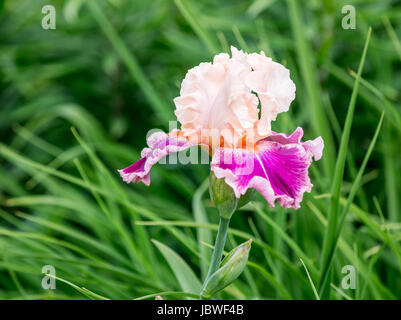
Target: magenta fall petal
(159, 145)
(278, 170)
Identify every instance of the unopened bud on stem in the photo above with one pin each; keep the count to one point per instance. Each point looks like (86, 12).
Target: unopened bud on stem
(230, 269)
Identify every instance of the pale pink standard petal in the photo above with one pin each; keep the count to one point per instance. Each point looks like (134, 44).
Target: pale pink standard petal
(215, 101)
(223, 97)
(277, 170)
(159, 145)
(274, 87)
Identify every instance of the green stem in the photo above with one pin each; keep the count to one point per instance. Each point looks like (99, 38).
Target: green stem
(218, 247)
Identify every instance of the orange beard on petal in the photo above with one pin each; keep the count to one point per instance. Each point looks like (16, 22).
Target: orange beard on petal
(176, 134)
(242, 143)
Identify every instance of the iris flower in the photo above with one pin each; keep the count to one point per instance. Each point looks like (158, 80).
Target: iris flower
(226, 107)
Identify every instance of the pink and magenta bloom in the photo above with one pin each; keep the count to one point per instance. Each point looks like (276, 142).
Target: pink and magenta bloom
(226, 107)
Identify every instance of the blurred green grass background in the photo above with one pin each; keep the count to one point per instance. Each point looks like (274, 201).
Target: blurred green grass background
(77, 102)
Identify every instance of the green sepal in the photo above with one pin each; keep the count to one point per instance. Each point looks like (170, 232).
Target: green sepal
(223, 196)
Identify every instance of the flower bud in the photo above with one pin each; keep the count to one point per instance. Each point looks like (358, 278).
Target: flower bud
(223, 196)
(230, 269)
